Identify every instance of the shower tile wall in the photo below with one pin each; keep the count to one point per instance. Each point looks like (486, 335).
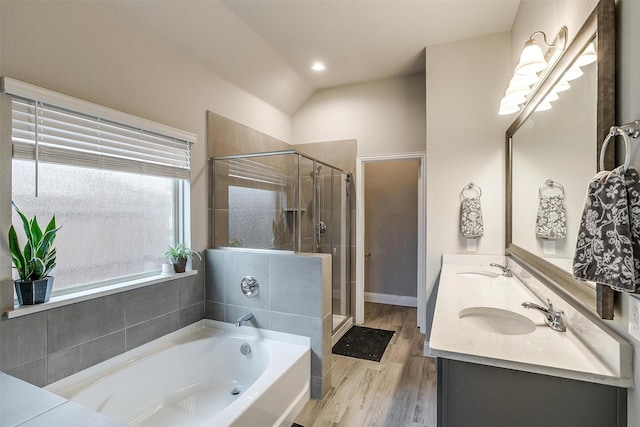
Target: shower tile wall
(44, 347)
(295, 297)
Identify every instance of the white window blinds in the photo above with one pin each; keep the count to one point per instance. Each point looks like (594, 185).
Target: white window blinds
(50, 127)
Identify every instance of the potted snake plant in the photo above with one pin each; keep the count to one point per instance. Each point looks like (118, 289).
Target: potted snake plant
(178, 255)
(35, 261)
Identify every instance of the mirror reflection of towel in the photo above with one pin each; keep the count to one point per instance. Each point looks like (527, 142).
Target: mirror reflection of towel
(471, 217)
(551, 222)
(608, 247)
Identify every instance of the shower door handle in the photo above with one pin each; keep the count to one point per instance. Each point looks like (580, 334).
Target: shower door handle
(368, 254)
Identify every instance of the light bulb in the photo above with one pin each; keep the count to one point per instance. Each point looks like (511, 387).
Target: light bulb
(531, 60)
(561, 86)
(572, 73)
(588, 56)
(543, 106)
(318, 66)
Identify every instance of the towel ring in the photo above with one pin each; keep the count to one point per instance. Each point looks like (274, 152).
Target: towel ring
(470, 186)
(615, 130)
(551, 183)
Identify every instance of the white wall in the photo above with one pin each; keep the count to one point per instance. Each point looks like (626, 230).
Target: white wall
(465, 142)
(80, 49)
(385, 116)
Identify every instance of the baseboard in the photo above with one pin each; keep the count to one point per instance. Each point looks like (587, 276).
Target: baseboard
(391, 299)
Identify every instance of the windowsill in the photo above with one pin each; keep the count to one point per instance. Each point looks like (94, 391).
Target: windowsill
(89, 294)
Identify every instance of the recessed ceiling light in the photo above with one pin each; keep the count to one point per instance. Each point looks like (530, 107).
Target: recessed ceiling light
(318, 66)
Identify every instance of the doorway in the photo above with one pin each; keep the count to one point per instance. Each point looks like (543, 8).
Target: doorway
(361, 242)
(391, 232)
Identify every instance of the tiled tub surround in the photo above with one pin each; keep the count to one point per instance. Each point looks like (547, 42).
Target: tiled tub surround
(586, 351)
(44, 347)
(295, 297)
(210, 383)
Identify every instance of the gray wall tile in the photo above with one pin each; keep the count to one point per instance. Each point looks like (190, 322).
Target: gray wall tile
(240, 265)
(316, 387)
(152, 301)
(75, 359)
(297, 285)
(24, 339)
(190, 290)
(33, 372)
(78, 323)
(147, 331)
(215, 275)
(261, 317)
(191, 314)
(214, 311)
(306, 326)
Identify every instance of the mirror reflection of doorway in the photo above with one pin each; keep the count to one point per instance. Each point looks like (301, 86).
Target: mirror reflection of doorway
(391, 231)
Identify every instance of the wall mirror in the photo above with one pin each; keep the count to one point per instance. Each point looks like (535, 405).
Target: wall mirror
(555, 152)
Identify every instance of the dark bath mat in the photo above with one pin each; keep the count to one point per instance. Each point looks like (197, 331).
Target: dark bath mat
(296, 425)
(363, 343)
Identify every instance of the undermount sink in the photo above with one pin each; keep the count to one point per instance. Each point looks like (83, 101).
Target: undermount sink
(478, 274)
(497, 321)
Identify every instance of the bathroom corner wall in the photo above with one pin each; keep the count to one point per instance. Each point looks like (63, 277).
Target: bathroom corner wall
(295, 297)
(44, 347)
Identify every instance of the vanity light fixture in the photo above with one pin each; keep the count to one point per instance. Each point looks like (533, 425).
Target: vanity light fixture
(544, 106)
(561, 86)
(533, 64)
(573, 73)
(588, 56)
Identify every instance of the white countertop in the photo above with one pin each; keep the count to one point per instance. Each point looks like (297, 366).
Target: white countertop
(585, 352)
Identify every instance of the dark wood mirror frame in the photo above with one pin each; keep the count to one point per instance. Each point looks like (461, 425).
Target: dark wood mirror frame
(600, 25)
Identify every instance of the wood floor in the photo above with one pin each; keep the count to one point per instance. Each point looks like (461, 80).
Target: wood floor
(398, 391)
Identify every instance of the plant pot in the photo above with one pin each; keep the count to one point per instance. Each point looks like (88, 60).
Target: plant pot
(179, 265)
(33, 292)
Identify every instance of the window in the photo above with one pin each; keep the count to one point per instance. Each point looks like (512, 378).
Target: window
(118, 189)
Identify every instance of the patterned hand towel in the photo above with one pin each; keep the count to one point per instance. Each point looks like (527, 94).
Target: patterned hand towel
(632, 181)
(605, 248)
(551, 222)
(471, 217)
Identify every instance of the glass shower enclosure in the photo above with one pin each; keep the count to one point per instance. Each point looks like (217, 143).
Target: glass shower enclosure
(286, 201)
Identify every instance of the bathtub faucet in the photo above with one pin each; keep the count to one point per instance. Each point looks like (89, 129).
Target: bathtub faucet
(245, 318)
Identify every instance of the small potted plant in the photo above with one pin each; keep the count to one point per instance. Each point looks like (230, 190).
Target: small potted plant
(35, 261)
(178, 255)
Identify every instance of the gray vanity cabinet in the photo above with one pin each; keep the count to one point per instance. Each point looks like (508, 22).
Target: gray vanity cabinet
(473, 395)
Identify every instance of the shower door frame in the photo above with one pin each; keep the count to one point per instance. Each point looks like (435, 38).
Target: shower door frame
(422, 233)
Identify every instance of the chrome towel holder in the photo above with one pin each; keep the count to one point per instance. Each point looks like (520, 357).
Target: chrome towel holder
(551, 183)
(627, 131)
(470, 187)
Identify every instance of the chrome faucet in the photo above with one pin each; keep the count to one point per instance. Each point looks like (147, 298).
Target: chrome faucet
(506, 270)
(552, 317)
(245, 318)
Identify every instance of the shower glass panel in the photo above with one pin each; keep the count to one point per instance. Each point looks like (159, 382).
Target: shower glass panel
(286, 201)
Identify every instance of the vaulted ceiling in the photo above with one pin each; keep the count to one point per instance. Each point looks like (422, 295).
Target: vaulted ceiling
(267, 47)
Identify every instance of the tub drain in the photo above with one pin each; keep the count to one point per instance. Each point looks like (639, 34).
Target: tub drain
(235, 391)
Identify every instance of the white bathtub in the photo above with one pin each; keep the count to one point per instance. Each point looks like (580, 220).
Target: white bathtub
(198, 376)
